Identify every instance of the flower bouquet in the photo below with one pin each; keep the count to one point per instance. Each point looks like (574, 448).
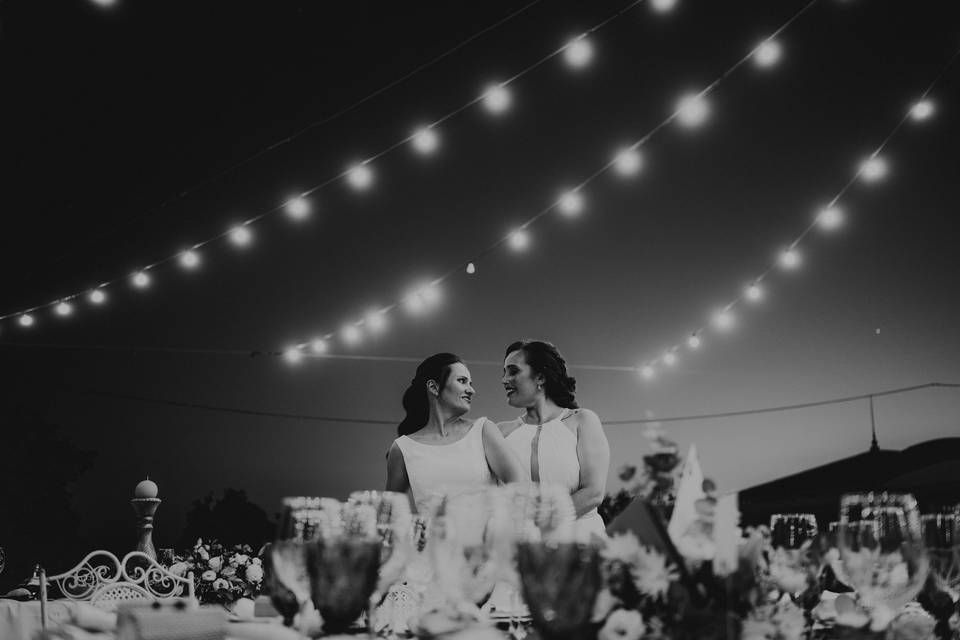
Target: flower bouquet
(221, 575)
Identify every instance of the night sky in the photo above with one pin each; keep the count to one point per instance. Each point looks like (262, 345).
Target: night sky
(123, 126)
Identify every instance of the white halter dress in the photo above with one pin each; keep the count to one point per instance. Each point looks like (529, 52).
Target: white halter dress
(441, 470)
(554, 447)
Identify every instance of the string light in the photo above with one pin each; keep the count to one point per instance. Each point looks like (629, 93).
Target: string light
(471, 268)
(26, 320)
(628, 161)
(723, 320)
(141, 280)
(570, 203)
(789, 258)
(663, 6)
(298, 208)
(496, 99)
(519, 240)
(97, 296)
(767, 53)
(360, 176)
(578, 53)
(921, 110)
(830, 218)
(240, 236)
(873, 169)
(319, 345)
(189, 259)
(376, 320)
(692, 110)
(647, 371)
(693, 341)
(753, 292)
(351, 334)
(425, 140)
(414, 303)
(670, 358)
(64, 309)
(430, 294)
(292, 355)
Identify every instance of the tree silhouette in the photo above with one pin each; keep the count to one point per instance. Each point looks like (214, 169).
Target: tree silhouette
(231, 519)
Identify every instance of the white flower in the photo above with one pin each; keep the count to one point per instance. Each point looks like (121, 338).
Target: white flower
(854, 618)
(209, 576)
(653, 575)
(623, 547)
(239, 559)
(880, 617)
(790, 622)
(203, 554)
(256, 561)
(788, 579)
(179, 568)
(254, 573)
(220, 583)
(622, 624)
(754, 629)
(215, 563)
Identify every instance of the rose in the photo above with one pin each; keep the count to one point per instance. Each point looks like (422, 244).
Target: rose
(179, 568)
(209, 576)
(254, 573)
(215, 563)
(221, 585)
(239, 558)
(228, 572)
(256, 561)
(622, 624)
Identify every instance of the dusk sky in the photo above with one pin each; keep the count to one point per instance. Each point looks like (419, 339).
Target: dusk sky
(123, 126)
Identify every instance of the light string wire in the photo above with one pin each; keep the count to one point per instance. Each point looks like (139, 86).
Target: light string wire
(296, 134)
(646, 366)
(352, 420)
(335, 178)
(589, 179)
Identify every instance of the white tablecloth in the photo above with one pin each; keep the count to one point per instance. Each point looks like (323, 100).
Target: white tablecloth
(21, 620)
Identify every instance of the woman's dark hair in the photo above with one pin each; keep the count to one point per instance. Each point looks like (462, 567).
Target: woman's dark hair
(415, 403)
(545, 359)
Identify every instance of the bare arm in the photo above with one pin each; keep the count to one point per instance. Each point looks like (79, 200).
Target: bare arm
(500, 457)
(594, 454)
(397, 479)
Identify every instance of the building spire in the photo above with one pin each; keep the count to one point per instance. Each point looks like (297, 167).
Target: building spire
(874, 447)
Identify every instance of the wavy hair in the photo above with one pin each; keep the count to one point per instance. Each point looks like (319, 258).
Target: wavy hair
(545, 359)
(415, 401)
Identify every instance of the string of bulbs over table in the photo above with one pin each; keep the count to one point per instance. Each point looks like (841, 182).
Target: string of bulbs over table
(425, 140)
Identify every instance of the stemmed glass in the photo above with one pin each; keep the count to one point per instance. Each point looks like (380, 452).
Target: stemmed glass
(285, 560)
(881, 549)
(941, 536)
(791, 530)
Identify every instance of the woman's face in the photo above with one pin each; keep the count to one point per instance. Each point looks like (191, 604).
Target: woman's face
(457, 393)
(519, 381)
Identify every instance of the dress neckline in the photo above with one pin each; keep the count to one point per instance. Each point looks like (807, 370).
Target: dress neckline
(560, 417)
(448, 444)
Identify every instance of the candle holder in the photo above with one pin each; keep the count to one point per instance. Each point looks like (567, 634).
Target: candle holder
(145, 508)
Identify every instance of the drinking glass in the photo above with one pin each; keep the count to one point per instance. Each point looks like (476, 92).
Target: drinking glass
(287, 577)
(941, 536)
(881, 548)
(791, 530)
(560, 583)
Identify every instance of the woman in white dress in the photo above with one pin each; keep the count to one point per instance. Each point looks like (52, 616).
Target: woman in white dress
(439, 451)
(557, 441)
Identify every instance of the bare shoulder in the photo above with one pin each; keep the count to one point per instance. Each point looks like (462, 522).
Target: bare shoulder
(508, 427)
(582, 418)
(395, 453)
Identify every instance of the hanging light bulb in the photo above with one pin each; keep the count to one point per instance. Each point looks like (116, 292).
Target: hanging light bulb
(767, 53)
(663, 6)
(723, 320)
(628, 161)
(430, 294)
(64, 308)
(921, 110)
(425, 140)
(414, 303)
(298, 208)
(25, 320)
(293, 355)
(830, 218)
(376, 320)
(360, 176)
(471, 268)
(240, 235)
(693, 341)
(141, 280)
(97, 296)
(189, 259)
(753, 292)
(351, 334)
(578, 53)
(873, 169)
(519, 240)
(571, 203)
(789, 258)
(318, 345)
(647, 371)
(692, 110)
(670, 358)
(496, 98)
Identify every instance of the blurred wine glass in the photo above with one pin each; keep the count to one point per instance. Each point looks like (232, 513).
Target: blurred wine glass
(791, 530)
(941, 537)
(560, 583)
(881, 549)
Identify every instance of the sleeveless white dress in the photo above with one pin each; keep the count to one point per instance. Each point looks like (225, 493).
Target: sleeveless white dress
(441, 470)
(558, 463)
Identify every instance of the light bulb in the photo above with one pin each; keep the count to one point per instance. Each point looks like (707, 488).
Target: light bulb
(693, 341)
(789, 258)
(767, 53)
(873, 169)
(692, 110)
(647, 371)
(570, 203)
(425, 140)
(64, 309)
(430, 294)
(578, 53)
(376, 320)
(319, 345)
(189, 259)
(350, 334)
(628, 161)
(662, 6)
(921, 110)
(753, 292)
(830, 218)
(413, 303)
(519, 240)
(496, 99)
(293, 355)
(241, 236)
(141, 279)
(298, 208)
(25, 320)
(670, 358)
(97, 296)
(471, 268)
(360, 176)
(723, 319)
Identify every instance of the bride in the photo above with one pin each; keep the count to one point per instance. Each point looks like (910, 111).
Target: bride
(557, 441)
(439, 451)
